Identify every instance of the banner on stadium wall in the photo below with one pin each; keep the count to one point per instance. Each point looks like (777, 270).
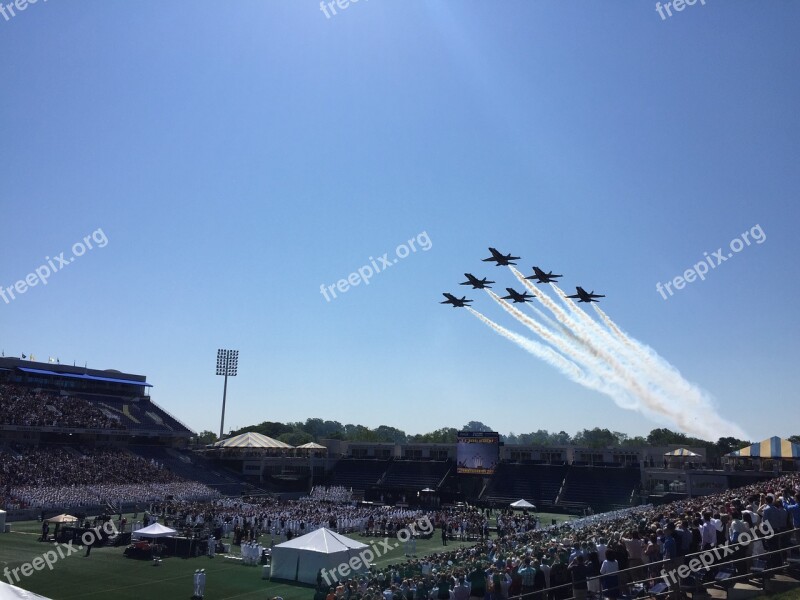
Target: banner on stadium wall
(478, 452)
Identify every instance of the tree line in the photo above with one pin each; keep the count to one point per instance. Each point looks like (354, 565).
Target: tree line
(314, 430)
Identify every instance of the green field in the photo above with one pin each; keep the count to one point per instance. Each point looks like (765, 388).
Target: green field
(108, 574)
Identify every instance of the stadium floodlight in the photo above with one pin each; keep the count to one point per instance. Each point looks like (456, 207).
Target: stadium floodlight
(227, 365)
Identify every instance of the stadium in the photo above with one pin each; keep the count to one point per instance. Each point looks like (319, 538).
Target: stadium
(89, 456)
(501, 297)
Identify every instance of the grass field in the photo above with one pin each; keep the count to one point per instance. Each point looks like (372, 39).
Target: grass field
(108, 574)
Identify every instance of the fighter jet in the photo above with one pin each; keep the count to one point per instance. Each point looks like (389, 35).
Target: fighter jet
(502, 260)
(517, 297)
(455, 301)
(586, 296)
(542, 277)
(477, 284)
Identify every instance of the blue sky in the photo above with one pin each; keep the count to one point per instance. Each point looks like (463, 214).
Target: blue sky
(238, 155)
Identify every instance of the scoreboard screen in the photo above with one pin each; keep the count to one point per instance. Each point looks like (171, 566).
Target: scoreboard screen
(478, 452)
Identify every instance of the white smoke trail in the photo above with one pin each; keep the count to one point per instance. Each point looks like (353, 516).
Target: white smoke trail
(652, 402)
(610, 324)
(663, 373)
(586, 377)
(543, 318)
(546, 353)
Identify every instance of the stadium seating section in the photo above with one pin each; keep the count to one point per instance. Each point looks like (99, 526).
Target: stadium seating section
(38, 408)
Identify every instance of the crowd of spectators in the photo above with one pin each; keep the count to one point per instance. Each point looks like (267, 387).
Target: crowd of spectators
(35, 408)
(602, 553)
(62, 477)
(337, 494)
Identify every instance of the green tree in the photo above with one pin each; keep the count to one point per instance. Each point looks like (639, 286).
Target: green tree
(295, 438)
(206, 437)
(384, 433)
(596, 438)
(476, 426)
(445, 435)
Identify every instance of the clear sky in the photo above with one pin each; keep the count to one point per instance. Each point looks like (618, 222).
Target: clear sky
(237, 155)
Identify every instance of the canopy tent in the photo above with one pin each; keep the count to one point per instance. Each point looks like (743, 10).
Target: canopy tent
(156, 530)
(62, 518)
(251, 439)
(302, 558)
(312, 446)
(681, 452)
(12, 592)
(428, 490)
(774, 447)
(522, 504)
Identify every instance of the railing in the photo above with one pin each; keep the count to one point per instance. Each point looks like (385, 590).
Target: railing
(696, 567)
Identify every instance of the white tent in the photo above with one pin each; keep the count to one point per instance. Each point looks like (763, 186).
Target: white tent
(522, 504)
(156, 530)
(12, 592)
(252, 440)
(301, 559)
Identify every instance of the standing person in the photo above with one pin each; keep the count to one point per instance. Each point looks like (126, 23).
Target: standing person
(444, 533)
(593, 574)
(442, 588)
(202, 582)
(708, 532)
(610, 579)
(461, 591)
(196, 583)
(776, 517)
(577, 569)
(477, 581)
(528, 576)
(560, 578)
(89, 545)
(539, 581)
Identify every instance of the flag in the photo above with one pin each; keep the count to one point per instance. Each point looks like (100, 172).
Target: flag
(51, 360)
(23, 355)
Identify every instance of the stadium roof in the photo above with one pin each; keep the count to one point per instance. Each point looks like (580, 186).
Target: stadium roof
(774, 447)
(85, 377)
(251, 439)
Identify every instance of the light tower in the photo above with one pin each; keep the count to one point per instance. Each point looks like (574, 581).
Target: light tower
(227, 363)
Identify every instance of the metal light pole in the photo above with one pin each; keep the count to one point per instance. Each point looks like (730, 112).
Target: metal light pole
(227, 364)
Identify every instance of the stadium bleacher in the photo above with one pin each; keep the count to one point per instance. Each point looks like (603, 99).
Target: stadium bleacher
(601, 487)
(417, 474)
(358, 473)
(536, 483)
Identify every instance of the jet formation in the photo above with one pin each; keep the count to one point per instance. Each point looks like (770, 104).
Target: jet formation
(504, 260)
